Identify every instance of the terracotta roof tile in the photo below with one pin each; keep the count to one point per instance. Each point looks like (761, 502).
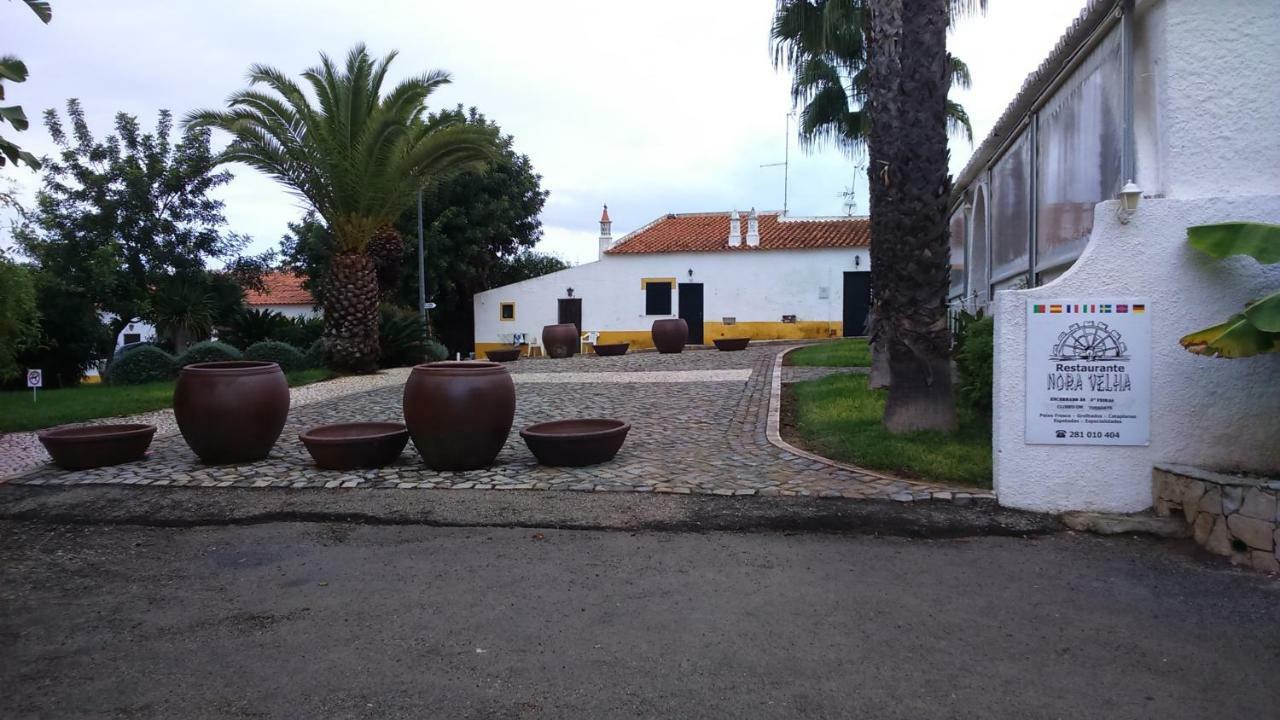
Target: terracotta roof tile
(709, 232)
(280, 289)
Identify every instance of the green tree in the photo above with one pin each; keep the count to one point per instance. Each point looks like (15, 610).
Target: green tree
(480, 227)
(358, 157)
(119, 219)
(19, 320)
(824, 44)
(909, 74)
(14, 70)
(72, 339)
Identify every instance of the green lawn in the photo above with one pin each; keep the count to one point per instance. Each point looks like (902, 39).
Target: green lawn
(853, 352)
(58, 407)
(840, 417)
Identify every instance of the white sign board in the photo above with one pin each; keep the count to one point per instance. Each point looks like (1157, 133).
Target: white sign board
(35, 378)
(1089, 372)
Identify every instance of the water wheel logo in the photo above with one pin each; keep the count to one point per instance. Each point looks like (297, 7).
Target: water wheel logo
(1091, 341)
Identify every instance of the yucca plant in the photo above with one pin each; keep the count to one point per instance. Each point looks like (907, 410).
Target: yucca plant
(358, 157)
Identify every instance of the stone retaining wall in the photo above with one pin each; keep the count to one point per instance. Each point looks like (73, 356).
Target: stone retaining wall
(1233, 516)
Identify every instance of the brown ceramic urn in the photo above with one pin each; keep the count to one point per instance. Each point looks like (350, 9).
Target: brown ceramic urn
(459, 413)
(231, 412)
(670, 335)
(561, 340)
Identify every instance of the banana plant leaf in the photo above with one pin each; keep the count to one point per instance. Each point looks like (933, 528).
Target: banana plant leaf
(1260, 241)
(1235, 338)
(1264, 314)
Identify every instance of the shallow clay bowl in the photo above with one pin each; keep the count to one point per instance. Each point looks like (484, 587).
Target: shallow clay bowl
(731, 344)
(347, 446)
(611, 349)
(82, 447)
(503, 355)
(575, 443)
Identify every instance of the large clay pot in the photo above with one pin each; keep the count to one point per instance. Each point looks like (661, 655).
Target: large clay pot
(732, 344)
(82, 447)
(349, 446)
(459, 413)
(670, 335)
(575, 443)
(561, 341)
(231, 412)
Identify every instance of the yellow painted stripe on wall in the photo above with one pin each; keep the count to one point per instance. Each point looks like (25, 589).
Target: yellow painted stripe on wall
(641, 339)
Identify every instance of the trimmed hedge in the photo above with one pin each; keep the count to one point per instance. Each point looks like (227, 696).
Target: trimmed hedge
(435, 351)
(317, 356)
(209, 351)
(288, 357)
(143, 364)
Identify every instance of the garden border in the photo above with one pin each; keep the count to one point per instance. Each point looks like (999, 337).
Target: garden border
(774, 435)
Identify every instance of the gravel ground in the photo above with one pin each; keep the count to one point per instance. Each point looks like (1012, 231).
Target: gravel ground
(22, 451)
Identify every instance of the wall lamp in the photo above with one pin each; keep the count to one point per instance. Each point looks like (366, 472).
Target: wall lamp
(1129, 196)
(569, 291)
(690, 272)
(857, 261)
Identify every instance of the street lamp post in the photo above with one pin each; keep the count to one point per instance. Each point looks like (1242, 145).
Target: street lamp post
(422, 270)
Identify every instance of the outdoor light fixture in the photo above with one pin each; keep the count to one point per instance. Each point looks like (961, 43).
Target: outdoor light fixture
(570, 291)
(1129, 196)
(857, 261)
(690, 272)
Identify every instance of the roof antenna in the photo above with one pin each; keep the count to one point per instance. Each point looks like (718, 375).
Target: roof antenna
(786, 163)
(850, 202)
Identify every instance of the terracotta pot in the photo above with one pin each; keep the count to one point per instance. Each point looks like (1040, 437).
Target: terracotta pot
(670, 335)
(459, 413)
(503, 355)
(561, 341)
(81, 447)
(575, 443)
(731, 344)
(231, 412)
(611, 349)
(347, 446)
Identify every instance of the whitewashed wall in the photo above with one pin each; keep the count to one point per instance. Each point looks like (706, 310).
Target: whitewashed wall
(749, 285)
(300, 311)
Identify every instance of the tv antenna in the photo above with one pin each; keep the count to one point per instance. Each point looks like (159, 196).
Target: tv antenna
(786, 163)
(850, 201)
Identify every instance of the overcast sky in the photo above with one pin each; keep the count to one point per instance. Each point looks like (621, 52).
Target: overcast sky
(653, 107)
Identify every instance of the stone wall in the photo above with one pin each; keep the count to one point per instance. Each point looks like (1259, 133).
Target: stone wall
(1231, 515)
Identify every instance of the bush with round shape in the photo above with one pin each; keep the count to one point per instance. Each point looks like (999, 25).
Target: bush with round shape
(317, 356)
(288, 357)
(143, 364)
(435, 350)
(209, 351)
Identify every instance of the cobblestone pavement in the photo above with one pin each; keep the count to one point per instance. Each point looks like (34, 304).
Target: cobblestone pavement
(705, 437)
(22, 450)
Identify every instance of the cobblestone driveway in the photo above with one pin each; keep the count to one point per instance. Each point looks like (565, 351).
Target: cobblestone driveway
(700, 430)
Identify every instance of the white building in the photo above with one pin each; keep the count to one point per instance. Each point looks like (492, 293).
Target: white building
(762, 276)
(1182, 97)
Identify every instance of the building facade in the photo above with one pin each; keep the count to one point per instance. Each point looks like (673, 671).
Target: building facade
(282, 292)
(728, 274)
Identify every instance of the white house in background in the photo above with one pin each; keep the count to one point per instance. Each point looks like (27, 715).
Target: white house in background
(283, 293)
(1181, 97)
(728, 274)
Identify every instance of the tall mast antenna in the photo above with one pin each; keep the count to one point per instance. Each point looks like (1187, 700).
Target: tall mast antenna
(785, 164)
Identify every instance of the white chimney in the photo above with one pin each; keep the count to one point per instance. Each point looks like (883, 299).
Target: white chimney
(753, 229)
(606, 231)
(735, 230)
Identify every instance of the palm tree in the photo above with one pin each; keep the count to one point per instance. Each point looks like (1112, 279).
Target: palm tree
(909, 74)
(824, 43)
(358, 157)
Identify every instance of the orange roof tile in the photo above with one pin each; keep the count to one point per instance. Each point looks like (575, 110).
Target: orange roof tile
(709, 232)
(280, 288)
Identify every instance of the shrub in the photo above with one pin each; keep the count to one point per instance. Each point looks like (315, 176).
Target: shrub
(300, 332)
(287, 356)
(209, 351)
(143, 364)
(436, 351)
(400, 337)
(317, 355)
(251, 326)
(975, 365)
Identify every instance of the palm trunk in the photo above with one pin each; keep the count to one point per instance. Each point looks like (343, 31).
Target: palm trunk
(919, 348)
(883, 43)
(351, 312)
(910, 191)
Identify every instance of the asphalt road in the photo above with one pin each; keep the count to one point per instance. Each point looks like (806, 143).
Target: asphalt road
(336, 620)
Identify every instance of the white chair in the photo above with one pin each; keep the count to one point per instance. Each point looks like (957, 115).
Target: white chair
(589, 338)
(534, 344)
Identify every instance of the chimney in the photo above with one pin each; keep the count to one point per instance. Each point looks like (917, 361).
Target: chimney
(735, 230)
(753, 229)
(606, 231)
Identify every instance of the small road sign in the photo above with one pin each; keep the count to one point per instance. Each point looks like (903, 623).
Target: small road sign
(35, 378)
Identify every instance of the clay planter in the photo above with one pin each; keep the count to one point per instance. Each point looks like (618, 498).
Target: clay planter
(670, 335)
(732, 344)
(611, 349)
(561, 341)
(503, 355)
(575, 443)
(231, 412)
(347, 446)
(459, 413)
(82, 447)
